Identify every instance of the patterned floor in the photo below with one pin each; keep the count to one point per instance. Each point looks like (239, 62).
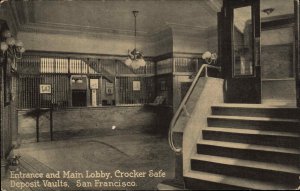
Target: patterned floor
(124, 153)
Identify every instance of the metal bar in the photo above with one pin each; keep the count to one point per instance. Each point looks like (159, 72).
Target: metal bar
(51, 123)
(37, 125)
(182, 105)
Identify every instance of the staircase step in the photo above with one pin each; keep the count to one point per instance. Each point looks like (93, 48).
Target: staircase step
(257, 137)
(258, 123)
(205, 180)
(171, 185)
(269, 172)
(255, 110)
(249, 152)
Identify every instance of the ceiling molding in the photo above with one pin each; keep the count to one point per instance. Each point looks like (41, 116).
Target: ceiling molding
(59, 27)
(185, 27)
(34, 28)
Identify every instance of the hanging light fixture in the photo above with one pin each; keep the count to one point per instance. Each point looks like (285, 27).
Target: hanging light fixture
(14, 48)
(135, 58)
(209, 57)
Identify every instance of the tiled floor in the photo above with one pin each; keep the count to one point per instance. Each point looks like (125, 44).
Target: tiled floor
(140, 152)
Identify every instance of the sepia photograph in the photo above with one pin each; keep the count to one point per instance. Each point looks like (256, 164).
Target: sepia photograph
(149, 95)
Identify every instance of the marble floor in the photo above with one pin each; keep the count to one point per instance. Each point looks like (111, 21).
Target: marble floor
(134, 162)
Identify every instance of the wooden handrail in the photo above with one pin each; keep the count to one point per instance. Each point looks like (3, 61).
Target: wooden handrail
(182, 105)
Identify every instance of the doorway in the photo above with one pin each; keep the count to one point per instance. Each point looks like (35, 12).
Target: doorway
(79, 84)
(240, 50)
(79, 98)
(259, 51)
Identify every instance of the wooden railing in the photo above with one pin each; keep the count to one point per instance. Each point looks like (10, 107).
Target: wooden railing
(182, 106)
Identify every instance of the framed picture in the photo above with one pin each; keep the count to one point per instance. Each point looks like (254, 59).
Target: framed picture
(94, 84)
(109, 88)
(45, 88)
(136, 85)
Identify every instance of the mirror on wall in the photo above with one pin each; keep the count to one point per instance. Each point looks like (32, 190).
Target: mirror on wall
(243, 41)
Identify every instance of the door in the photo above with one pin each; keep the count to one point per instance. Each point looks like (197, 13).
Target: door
(79, 98)
(297, 49)
(240, 50)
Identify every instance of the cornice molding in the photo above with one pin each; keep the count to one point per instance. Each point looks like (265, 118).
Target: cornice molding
(182, 26)
(164, 32)
(77, 28)
(87, 32)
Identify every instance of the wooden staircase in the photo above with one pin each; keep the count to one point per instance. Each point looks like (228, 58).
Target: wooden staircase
(247, 147)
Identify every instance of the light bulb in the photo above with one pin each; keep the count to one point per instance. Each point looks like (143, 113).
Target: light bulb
(214, 56)
(4, 46)
(128, 61)
(206, 55)
(142, 62)
(135, 64)
(22, 50)
(19, 43)
(10, 41)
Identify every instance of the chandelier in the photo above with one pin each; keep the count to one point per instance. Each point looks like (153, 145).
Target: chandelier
(13, 48)
(135, 58)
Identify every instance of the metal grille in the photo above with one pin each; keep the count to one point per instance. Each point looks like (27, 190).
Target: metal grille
(57, 70)
(128, 94)
(29, 96)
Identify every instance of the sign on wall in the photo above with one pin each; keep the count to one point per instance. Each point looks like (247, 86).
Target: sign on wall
(94, 84)
(45, 89)
(136, 85)
(109, 88)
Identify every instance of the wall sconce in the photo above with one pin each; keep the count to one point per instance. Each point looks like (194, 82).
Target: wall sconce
(210, 58)
(14, 48)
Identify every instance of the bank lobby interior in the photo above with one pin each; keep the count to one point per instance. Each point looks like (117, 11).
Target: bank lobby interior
(180, 94)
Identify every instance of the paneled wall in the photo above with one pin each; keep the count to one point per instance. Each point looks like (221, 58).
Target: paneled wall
(277, 61)
(174, 77)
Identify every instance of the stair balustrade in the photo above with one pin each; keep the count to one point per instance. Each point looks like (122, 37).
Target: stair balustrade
(182, 106)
